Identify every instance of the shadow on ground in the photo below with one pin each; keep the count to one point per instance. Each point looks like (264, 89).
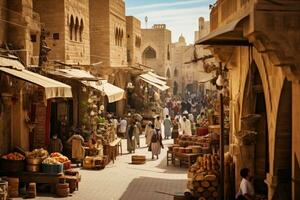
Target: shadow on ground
(147, 188)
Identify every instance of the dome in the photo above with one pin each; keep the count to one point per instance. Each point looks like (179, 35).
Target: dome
(181, 39)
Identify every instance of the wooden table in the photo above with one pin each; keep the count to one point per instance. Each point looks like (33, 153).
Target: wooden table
(35, 177)
(186, 158)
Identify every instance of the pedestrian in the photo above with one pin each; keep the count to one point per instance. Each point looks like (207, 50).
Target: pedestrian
(157, 123)
(148, 133)
(186, 126)
(123, 127)
(165, 111)
(246, 191)
(167, 127)
(156, 143)
(175, 130)
(137, 130)
(130, 138)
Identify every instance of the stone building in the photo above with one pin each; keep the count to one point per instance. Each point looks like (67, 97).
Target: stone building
(67, 24)
(156, 49)
(133, 29)
(19, 32)
(20, 29)
(258, 41)
(187, 72)
(109, 44)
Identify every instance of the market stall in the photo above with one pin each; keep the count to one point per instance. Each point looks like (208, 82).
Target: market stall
(24, 171)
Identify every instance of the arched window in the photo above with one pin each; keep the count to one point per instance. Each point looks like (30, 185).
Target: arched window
(71, 27)
(175, 72)
(81, 30)
(121, 37)
(149, 53)
(116, 36)
(76, 28)
(168, 73)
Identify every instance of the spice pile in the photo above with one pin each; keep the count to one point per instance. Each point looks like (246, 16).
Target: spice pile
(14, 156)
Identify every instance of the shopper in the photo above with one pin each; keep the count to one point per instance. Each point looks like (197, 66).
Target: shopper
(156, 143)
(137, 130)
(131, 138)
(176, 128)
(157, 123)
(167, 127)
(246, 191)
(186, 126)
(123, 127)
(148, 133)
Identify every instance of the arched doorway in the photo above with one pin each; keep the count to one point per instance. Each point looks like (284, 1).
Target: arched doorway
(175, 88)
(283, 144)
(254, 102)
(149, 57)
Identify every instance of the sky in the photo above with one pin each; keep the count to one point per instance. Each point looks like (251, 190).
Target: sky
(180, 16)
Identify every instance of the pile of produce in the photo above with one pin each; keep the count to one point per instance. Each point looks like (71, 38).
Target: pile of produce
(37, 153)
(14, 156)
(203, 177)
(185, 140)
(59, 157)
(51, 161)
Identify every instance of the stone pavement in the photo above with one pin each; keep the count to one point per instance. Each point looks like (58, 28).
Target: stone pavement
(121, 180)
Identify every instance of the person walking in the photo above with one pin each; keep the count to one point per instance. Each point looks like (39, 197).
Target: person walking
(157, 123)
(131, 138)
(246, 191)
(123, 127)
(148, 133)
(156, 143)
(137, 130)
(186, 126)
(176, 128)
(167, 127)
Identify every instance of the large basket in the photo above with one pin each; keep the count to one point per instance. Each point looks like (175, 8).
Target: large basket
(52, 169)
(12, 165)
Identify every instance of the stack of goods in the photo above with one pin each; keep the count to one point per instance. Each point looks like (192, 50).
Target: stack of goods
(35, 158)
(138, 159)
(62, 159)
(55, 163)
(62, 189)
(73, 178)
(12, 162)
(194, 140)
(94, 162)
(13, 187)
(3, 189)
(203, 177)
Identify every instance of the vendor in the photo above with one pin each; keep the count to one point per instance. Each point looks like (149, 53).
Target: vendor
(55, 144)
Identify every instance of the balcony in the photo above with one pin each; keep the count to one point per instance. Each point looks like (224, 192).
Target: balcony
(225, 11)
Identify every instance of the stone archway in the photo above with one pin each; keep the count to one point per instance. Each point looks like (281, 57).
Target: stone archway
(283, 142)
(254, 102)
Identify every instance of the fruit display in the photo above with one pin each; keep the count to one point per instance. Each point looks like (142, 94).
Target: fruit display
(51, 161)
(37, 153)
(14, 156)
(59, 157)
(203, 177)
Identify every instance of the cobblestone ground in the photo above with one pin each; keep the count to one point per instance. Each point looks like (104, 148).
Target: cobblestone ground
(121, 180)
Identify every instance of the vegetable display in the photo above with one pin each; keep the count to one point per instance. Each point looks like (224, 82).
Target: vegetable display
(14, 156)
(37, 153)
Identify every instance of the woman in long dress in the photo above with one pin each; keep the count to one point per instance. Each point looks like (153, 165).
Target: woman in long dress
(148, 133)
(176, 128)
(156, 143)
(167, 127)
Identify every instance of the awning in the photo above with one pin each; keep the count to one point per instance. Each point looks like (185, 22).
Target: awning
(229, 34)
(153, 80)
(157, 76)
(53, 89)
(113, 93)
(73, 74)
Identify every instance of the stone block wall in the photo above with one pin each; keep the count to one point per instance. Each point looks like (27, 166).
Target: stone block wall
(133, 29)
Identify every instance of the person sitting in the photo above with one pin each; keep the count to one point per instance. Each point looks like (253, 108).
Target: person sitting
(246, 191)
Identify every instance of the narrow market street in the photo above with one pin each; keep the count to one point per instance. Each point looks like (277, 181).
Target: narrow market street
(122, 180)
